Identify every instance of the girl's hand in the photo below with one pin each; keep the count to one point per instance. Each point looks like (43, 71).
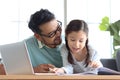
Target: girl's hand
(94, 64)
(57, 70)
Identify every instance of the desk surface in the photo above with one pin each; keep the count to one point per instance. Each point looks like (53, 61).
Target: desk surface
(62, 77)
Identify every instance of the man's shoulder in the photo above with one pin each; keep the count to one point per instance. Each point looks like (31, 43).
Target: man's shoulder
(31, 41)
(29, 38)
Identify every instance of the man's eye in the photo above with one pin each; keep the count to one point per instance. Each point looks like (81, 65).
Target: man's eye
(52, 33)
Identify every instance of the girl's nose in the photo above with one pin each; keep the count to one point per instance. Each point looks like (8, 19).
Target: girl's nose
(77, 44)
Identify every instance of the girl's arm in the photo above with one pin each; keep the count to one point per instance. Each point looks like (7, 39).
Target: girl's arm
(67, 67)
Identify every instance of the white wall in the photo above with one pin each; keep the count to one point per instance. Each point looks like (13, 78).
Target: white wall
(15, 15)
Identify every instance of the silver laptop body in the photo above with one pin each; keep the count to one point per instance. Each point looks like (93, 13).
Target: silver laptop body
(16, 59)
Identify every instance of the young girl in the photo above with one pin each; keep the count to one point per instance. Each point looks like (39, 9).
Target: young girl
(78, 56)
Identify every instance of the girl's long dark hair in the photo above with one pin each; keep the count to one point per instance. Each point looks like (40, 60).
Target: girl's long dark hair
(77, 25)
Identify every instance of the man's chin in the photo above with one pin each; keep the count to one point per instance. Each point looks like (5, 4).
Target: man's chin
(57, 42)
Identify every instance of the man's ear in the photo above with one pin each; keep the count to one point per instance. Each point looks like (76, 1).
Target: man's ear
(37, 36)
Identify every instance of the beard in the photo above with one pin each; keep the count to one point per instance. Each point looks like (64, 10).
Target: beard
(57, 41)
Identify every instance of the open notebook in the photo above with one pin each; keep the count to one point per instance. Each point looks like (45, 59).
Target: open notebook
(16, 59)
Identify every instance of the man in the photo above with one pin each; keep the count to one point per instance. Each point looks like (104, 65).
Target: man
(44, 46)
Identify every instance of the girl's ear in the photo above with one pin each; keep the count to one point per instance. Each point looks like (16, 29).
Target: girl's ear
(37, 36)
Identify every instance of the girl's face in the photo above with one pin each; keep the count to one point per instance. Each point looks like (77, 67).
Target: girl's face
(76, 41)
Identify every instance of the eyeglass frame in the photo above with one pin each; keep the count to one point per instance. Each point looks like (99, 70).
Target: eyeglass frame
(53, 33)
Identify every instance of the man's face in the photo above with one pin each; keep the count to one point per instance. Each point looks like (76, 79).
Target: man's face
(51, 33)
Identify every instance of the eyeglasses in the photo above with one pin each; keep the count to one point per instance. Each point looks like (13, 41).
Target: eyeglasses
(53, 33)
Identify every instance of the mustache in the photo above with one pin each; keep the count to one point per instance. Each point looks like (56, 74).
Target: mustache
(55, 43)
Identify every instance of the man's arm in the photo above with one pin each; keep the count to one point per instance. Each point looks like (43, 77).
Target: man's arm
(2, 70)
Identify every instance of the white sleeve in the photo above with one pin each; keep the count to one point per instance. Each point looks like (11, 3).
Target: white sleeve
(95, 57)
(68, 69)
(66, 65)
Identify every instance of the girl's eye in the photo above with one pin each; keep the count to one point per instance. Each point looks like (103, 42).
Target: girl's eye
(81, 41)
(72, 40)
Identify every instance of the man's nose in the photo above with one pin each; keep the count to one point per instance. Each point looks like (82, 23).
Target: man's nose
(58, 33)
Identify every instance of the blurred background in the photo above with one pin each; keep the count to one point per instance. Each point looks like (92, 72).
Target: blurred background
(15, 14)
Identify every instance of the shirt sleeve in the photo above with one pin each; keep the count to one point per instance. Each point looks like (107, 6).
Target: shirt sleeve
(66, 65)
(95, 57)
(68, 69)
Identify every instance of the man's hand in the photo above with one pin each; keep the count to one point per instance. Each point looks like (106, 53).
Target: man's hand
(2, 70)
(43, 68)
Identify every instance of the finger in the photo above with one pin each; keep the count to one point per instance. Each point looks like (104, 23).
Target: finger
(44, 67)
(51, 70)
(92, 64)
(95, 65)
(51, 66)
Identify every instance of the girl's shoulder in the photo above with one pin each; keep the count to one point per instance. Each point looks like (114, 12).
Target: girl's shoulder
(92, 50)
(63, 46)
(94, 55)
(63, 49)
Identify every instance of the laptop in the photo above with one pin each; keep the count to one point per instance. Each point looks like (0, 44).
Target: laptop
(16, 59)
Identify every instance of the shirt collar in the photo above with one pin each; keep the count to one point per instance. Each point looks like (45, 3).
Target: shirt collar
(40, 44)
